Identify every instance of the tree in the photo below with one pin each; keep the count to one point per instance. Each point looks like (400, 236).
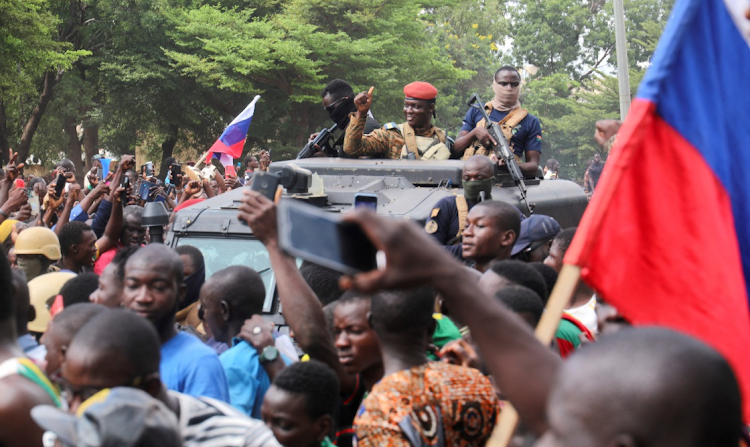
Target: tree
(35, 51)
(562, 36)
(574, 86)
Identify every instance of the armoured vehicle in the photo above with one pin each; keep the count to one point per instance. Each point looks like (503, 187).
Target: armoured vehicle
(406, 189)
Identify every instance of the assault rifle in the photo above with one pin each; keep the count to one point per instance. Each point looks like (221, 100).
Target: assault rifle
(320, 142)
(502, 150)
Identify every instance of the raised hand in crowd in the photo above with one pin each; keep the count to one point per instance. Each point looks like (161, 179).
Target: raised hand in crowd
(23, 214)
(70, 201)
(41, 191)
(208, 189)
(100, 189)
(75, 188)
(232, 183)
(302, 309)
(219, 181)
(91, 177)
(94, 180)
(159, 191)
(54, 200)
(264, 160)
(258, 333)
(127, 162)
(16, 199)
(12, 171)
(192, 187)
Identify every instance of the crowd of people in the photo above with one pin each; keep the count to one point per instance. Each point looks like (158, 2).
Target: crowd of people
(109, 339)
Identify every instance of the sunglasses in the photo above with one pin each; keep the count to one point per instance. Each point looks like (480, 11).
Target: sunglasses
(512, 84)
(329, 108)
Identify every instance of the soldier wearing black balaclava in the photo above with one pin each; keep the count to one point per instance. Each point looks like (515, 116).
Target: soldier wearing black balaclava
(448, 217)
(338, 102)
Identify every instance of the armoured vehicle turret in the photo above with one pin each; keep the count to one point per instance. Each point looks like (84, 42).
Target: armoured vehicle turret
(406, 189)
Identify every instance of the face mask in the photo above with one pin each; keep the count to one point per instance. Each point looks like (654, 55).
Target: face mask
(193, 284)
(474, 187)
(32, 267)
(341, 111)
(505, 99)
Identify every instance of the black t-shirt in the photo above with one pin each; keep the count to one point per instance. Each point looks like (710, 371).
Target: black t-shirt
(595, 171)
(345, 414)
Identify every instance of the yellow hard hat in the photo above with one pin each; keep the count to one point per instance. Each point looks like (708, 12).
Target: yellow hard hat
(6, 228)
(41, 289)
(38, 241)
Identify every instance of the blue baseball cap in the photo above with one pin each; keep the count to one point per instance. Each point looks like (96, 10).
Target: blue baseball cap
(536, 228)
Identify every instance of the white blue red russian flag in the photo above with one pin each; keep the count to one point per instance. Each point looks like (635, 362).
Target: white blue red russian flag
(666, 237)
(232, 140)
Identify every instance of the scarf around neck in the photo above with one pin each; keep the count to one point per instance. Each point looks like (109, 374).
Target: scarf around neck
(497, 104)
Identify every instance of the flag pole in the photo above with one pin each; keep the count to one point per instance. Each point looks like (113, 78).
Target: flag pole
(200, 160)
(566, 285)
(621, 45)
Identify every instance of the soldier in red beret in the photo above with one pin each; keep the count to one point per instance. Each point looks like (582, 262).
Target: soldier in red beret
(416, 139)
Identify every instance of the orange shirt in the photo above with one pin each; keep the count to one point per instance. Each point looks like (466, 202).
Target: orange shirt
(431, 404)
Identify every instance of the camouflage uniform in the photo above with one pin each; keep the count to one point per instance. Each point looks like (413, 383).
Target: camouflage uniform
(388, 142)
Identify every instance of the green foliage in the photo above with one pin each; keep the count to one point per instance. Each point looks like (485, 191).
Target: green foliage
(569, 110)
(561, 36)
(28, 47)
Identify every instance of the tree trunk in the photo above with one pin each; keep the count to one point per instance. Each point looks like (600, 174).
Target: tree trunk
(167, 148)
(73, 152)
(4, 144)
(51, 79)
(90, 144)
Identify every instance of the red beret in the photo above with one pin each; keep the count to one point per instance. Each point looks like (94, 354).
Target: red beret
(420, 90)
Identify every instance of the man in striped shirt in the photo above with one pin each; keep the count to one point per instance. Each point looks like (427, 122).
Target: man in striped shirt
(100, 357)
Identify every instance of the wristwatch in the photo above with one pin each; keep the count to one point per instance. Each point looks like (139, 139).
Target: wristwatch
(269, 354)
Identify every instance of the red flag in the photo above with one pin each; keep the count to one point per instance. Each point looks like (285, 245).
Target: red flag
(666, 237)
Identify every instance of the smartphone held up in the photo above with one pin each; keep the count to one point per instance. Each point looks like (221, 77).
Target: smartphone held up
(318, 236)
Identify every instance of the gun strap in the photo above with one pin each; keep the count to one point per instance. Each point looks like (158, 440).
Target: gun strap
(410, 138)
(506, 124)
(340, 140)
(440, 134)
(511, 120)
(463, 212)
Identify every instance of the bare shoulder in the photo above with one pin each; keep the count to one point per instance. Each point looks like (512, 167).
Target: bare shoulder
(18, 396)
